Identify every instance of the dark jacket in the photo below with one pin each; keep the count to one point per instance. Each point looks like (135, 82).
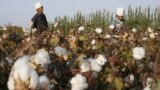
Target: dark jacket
(39, 22)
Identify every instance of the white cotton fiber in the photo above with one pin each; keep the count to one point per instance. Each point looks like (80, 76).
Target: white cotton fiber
(10, 83)
(42, 58)
(21, 61)
(44, 81)
(101, 60)
(147, 88)
(95, 66)
(138, 53)
(22, 70)
(60, 51)
(79, 82)
(85, 66)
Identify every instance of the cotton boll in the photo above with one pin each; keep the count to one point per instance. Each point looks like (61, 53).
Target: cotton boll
(10, 83)
(144, 38)
(134, 30)
(80, 29)
(33, 79)
(34, 30)
(108, 36)
(95, 66)
(55, 25)
(150, 30)
(23, 71)
(42, 58)
(152, 35)
(21, 61)
(79, 82)
(26, 72)
(147, 88)
(18, 69)
(93, 42)
(79, 86)
(85, 66)
(131, 77)
(60, 51)
(101, 60)
(98, 30)
(44, 81)
(149, 81)
(138, 53)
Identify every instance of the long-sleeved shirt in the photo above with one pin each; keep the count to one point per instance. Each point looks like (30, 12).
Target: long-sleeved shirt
(39, 21)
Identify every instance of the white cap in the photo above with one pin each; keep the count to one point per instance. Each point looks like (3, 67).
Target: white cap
(120, 11)
(38, 5)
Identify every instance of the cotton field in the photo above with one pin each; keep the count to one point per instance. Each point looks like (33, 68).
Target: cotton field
(77, 56)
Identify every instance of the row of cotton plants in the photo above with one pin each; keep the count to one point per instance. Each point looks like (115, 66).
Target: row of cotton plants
(82, 60)
(138, 17)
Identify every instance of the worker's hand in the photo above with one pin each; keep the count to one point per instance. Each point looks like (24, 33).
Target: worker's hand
(30, 23)
(34, 30)
(111, 27)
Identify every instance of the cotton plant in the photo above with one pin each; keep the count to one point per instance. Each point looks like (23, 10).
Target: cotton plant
(138, 53)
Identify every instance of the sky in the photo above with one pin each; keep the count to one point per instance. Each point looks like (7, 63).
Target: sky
(20, 12)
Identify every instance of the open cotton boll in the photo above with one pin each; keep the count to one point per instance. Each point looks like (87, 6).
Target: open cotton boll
(81, 28)
(147, 88)
(85, 66)
(152, 35)
(16, 69)
(80, 86)
(138, 53)
(108, 36)
(42, 58)
(150, 30)
(101, 60)
(95, 66)
(131, 77)
(10, 83)
(93, 42)
(134, 30)
(33, 79)
(79, 82)
(98, 30)
(26, 72)
(21, 61)
(23, 71)
(144, 38)
(60, 51)
(44, 82)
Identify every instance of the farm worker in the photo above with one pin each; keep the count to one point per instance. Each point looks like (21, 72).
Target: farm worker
(119, 22)
(39, 21)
